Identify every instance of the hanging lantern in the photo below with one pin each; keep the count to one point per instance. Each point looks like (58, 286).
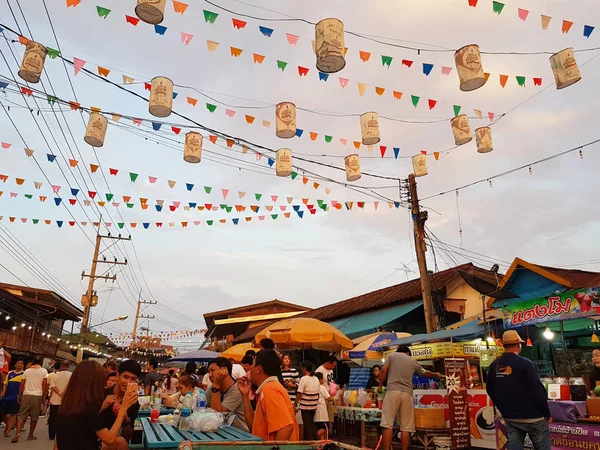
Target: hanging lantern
(96, 130)
(419, 163)
(161, 97)
(329, 45)
(595, 338)
(565, 69)
(283, 162)
(469, 68)
(285, 120)
(192, 151)
(461, 130)
(32, 65)
(352, 163)
(151, 11)
(483, 137)
(369, 127)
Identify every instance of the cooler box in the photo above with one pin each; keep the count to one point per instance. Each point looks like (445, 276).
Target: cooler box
(430, 418)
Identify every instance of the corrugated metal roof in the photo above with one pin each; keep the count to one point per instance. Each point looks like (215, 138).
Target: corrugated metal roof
(578, 278)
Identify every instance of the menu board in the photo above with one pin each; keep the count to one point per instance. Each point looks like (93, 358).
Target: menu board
(458, 402)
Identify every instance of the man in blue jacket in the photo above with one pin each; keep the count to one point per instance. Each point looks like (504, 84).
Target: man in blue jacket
(517, 392)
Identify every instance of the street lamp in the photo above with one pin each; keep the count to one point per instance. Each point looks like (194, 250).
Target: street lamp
(109, 321)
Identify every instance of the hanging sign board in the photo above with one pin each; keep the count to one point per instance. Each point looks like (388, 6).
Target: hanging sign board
(457, 380)
(468, 349)
(423, 352)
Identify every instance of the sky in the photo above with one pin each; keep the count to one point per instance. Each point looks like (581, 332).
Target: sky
(546, 216)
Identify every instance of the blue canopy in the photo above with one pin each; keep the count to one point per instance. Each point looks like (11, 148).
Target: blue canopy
(469, 330)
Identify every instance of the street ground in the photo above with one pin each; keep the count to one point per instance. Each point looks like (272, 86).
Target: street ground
(41, 432)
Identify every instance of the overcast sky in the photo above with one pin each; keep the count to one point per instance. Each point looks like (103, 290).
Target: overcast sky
(548, 217)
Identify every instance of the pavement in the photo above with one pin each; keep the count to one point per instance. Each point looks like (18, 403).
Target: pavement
(41, 432)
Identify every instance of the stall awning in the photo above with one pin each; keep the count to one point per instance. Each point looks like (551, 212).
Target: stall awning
(366, 323)
(469, 330)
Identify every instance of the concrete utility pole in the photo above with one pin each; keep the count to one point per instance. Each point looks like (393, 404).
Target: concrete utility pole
(138, 316)
(419, 218)
(89, 300)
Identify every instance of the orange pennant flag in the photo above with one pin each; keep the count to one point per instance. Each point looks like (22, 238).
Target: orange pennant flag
(313, 136)
(248, 219)
(95, 109)
(258, 59)
(19, 181)
(364, 56)
(145, 206)
(566, 26)
(379, 90)
(316, 185)
(235, 52)
(287, 215)
(94, 167)
(436, 155)
(103, 71)
(212, 138)
(73, 3)
(74, 106)
(179, 7)
(397, 95)
(230, 143)
(486, 75)
(73, 162)
(503, 80)
(305, 201)
(23, 40)
(304, 180)
(356, 145)
(249, 119)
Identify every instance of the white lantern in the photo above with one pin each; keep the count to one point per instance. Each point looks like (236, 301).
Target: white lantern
(469, 68)
(32, 65)
(96, 130)
(369, 127)
(461, 129)
(192, 151)
(283, 162)
(285, 120)
(151, 11)
(329, 45)
(352, 163)
(483, 137)
(161, 97)
(419, 163)
(565, 69)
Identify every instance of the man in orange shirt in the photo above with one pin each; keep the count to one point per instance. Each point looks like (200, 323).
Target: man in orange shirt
(274, 418)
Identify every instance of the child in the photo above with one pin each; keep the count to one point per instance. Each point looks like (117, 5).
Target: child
(322, 416)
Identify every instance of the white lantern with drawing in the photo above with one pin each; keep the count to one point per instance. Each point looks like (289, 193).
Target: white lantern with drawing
(161, 97)
(483, 137)
(469, 68)
(369, 127)
(192, 151)
(283, 162)
(419, 163)
(565, 69)
(461, 129)
(32, 65)
(352, 163)
(285, 120)
(329, 45)
(96, 130)
(151, 11)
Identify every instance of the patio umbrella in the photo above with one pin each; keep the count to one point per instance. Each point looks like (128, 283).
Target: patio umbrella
(372, 346)
(238, 351)
(196, 356)
(304, 333)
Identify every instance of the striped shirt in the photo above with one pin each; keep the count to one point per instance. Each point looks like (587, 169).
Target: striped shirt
(309, 387)
(291, 374)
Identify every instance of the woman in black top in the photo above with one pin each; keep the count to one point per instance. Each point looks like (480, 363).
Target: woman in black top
(373, 382)
(79, 425)
(595, 373)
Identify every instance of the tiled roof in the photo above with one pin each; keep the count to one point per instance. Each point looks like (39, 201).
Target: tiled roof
(248, 335)
(579, 278)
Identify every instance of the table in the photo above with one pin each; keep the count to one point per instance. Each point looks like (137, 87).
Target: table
(363, 415)
(162, 436)
(567, 411)
(163, 411)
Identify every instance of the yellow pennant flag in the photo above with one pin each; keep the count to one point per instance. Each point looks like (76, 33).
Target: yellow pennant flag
(172, 184)
(545, 22)
(266, 123)
(361, 89)
(38, 184)
(211, 45)
(29, 152)
(244, 149)
(478, 114)
(127, 80)
(116, 117)
(242, 194)
(94, 109)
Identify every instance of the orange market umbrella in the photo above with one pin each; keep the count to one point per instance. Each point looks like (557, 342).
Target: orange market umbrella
(305, 333)
(238, 351)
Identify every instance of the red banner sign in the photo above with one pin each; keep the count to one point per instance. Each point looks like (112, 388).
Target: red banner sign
(457, 382)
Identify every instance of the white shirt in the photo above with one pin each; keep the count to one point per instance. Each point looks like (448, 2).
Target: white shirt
(322, 415)
(237, 371)
(60, 381)
(327, 374)
(34, 379)
(309, 388)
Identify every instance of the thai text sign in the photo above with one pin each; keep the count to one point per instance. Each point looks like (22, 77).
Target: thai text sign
(458, 402)
(569, 436)
(577, 304)
(468, 349)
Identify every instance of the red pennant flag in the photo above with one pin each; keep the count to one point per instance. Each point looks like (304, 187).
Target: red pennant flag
(423, 152)
(473, 3)
(172, 208)
(212, 138)
(503, 80)
(132, 20)
(239, 24)
(26, 91)
(148, 86)
(72, 223)
(407, 63)
(91, 194)
(382, 148)
(302, 71)
(432, 103)
(74, 106)
(230, 143)
(360, 204)
(176, 130)
(72, 201)
(537, 81)
(113, 171)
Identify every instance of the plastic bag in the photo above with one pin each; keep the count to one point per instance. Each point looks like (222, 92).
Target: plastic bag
(144, 402)
(205, 422)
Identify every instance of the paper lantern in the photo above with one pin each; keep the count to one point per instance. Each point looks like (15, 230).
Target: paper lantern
(151, 11)
(369, 127)
(283, 162)
(469, 68)
(32, 65)
(330, 46)
(285, 120)
(565, 69)
(192, 150)
(419, 163)
(96, 130)
(483, 137)
(161, 97)
(461, 129)
(352, 163)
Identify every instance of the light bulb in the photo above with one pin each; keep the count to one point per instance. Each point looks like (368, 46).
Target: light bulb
(7, 317)
(490, 339)
(548, 334)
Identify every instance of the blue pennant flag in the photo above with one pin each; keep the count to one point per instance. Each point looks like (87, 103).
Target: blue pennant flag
(156, 126)
(146, 225)
(189, 186)
(296, 208)
(193, 205)
(175, 94)
(299, 132)
(1, 30)
(3, 85)
(74, 192)
(235, 221)
(300, 214)
(397, 205)
(323, 76)
(266, 31)
(159, 208)
(270, 161)
(396, 152)
(59, 223)
(427, 68)
(51, 158)
(587, 30)
(57, 200)
(160, 29)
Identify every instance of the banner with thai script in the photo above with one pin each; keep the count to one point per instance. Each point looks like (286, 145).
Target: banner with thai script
(568, 436)
(457, 382)
(577, 304)
(468, 349)
(424, 352)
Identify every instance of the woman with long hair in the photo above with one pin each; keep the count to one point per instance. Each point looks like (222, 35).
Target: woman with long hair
(307, 400)
(170, 383)
(79, 425)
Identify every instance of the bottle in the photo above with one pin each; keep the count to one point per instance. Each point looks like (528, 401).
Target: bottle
(154, 414)
(176, 417)
(200, 402)
(183, 420)
(152, 396)
(156, 400)
(188, 402)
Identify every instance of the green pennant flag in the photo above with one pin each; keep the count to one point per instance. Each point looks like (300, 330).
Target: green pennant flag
(521, 81)
(129, 205)
(52, 53)
(386, 60)
(223, 206)
(229, 209)
(133, 176)
(328, 139)
(52, 100)
(415, 100)
(102, 12)
(320, 203)
(497, 7)
(281, 65)
(456, 110)
(210, 16)
(35, 221)
(258, 197)
(207, 189)
(29, 196)
(324, 206)
(109, 197)
(209, 222)
(274, 216)
(121, 225)
(211, 108)
(294, 175)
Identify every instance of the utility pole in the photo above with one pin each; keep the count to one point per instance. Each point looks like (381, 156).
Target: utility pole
(89, 299)
(138, 316)
(419, 218)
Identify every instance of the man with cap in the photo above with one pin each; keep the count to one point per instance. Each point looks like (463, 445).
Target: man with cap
(517, 392)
